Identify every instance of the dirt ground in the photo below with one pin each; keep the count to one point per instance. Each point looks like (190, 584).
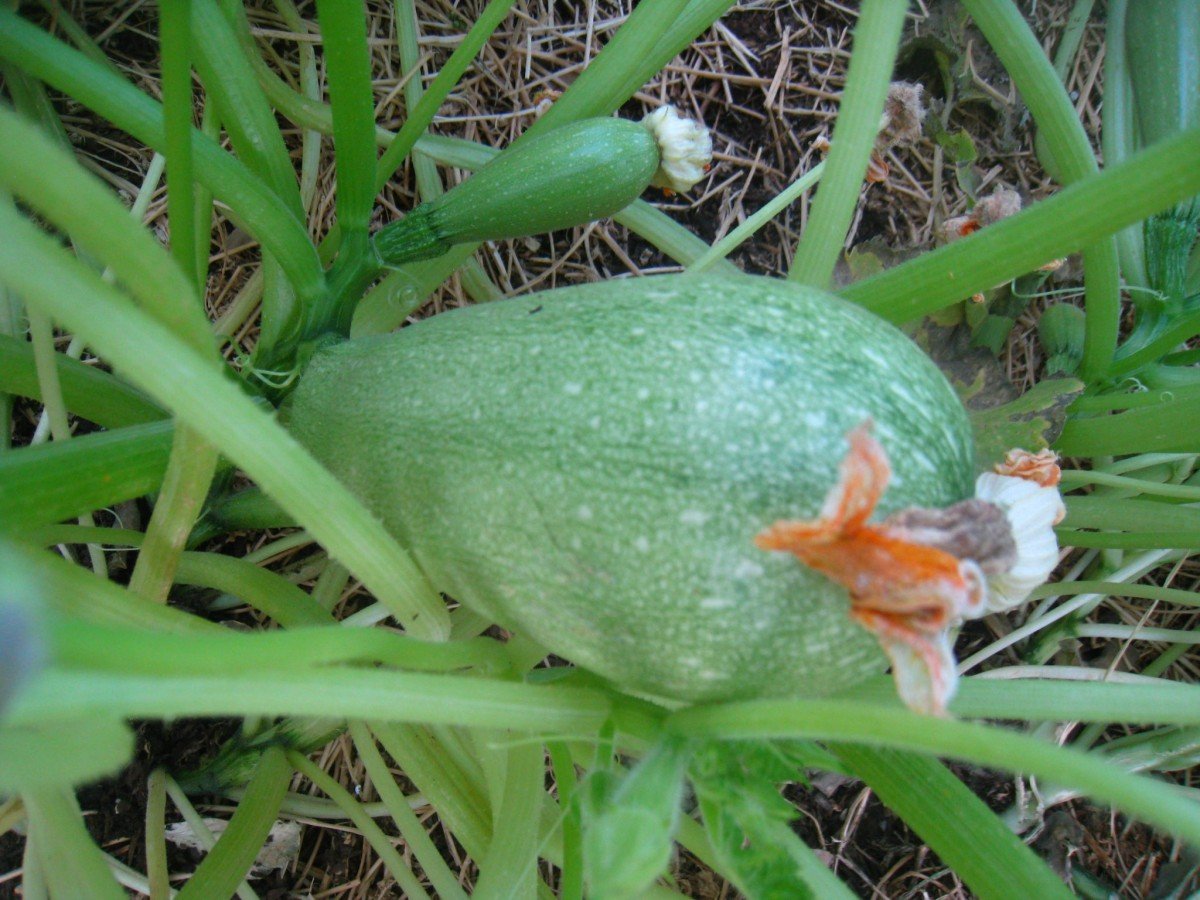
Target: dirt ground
(766, 80)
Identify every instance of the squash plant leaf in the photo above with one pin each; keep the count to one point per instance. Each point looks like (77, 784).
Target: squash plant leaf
(748, 821)
(1032, 422)
(974, 373)
(45, 754)
(866, 259)
(959, 150)
(629, 822)
(1001, 417)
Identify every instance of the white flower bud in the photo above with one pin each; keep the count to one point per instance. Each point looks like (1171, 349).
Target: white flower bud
(684, 145)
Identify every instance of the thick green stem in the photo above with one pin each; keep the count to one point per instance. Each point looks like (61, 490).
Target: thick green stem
(157, 872)
(189, 473)
(510, 866)
(955, 823)
(81, 475)
(71, 863)
(348, 66)
(50, 180)
(203, 397)
(252, 204)
(193, 461)
(876, 40)
(176, 52)
(135, 651)
(1093, 208)
(869, 724)
(1070, 155)
(337, 693)
(1117, 139)
(219, 874)
(411, 829)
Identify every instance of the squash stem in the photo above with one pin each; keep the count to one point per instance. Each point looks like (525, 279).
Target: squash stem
(413, 238)
(876, 40)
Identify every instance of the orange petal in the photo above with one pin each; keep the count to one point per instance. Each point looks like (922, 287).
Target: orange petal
(864, 476)
(906, 593)
(923, 666)
(1041, 468)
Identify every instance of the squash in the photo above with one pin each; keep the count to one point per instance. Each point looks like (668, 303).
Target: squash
(576, 173)
(590, 466)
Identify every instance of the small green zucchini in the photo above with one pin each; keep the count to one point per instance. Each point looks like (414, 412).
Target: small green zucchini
(577, 173)
(591, 465)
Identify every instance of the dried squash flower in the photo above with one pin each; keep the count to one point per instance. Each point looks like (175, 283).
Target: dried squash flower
(918, 573)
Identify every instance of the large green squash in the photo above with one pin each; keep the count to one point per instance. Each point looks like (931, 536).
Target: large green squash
(590, 466)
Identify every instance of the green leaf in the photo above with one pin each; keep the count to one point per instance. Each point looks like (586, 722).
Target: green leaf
(1032, 422)
(59, 480)
(747, 821)
(866, 259)
(976, 376)
(62, 752)
(959, 147)
(72, 864)
(1074, 218)
(629, 825)
(960, 151)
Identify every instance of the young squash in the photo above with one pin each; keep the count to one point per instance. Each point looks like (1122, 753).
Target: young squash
(576, 173)
(591, 466)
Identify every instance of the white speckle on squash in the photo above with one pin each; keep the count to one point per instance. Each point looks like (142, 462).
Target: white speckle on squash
(693, 517)
(574, 388)
(746, 569)
(643, 393)
(584, 513)
(716, 603)
(641, 544)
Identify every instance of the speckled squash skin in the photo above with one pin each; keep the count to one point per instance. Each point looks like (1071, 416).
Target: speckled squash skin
(590, 466)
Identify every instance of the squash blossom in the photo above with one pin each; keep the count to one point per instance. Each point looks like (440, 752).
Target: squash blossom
(684, 146)
(575, 174)
(920, 572)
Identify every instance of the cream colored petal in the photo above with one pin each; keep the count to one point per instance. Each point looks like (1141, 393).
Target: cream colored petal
(1032, 511)
(924, 670)
(685, 148)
